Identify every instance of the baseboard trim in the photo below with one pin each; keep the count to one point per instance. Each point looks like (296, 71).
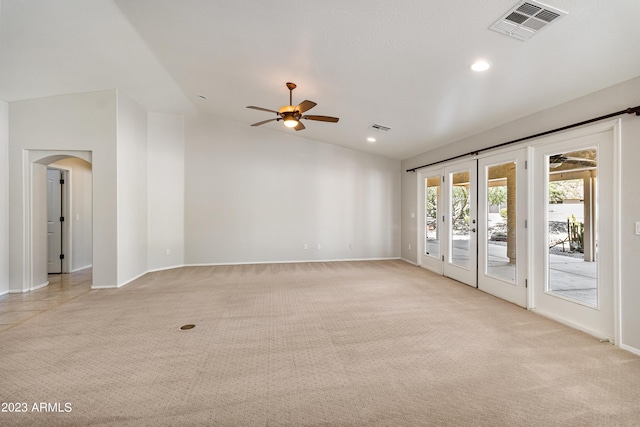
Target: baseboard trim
(410, 262)
(4, 292)
(93, 287)
(42, 285)
(571, 325)
(301, 261)
(243, 263)
(167, 268)
(630, 349)
(120, 284)
(131, 280)
(75, 270)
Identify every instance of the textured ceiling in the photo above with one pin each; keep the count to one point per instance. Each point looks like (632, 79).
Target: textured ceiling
(402, 64)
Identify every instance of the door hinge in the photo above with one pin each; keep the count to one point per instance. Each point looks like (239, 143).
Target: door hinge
(526, 224)
(526, 283)
(442, 178)
(442, 218)
(525, 164)
(61, 181)
(61, 219)
(442, 258)
(61, 256)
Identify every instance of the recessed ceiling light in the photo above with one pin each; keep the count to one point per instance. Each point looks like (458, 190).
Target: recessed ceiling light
(371, 139)
(480, 65)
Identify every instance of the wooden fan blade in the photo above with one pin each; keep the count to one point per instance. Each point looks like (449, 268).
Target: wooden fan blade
(305, 106)
(299, 126)
(322, 118)
(579, 159)
(262, 109)
(263, 122)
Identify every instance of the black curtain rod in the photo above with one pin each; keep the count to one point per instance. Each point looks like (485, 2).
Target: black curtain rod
(633, 110)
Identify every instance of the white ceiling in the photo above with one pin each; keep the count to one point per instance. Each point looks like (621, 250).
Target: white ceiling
(403, 64)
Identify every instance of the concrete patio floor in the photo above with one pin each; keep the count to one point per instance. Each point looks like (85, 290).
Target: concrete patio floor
(568, 276)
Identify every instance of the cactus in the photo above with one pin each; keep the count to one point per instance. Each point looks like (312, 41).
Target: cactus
(576, 234)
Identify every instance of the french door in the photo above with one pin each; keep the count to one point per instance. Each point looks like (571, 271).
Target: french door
(448, 223)
(472, 223)
(575, 227)
(502, 242)
(542, 235)
(460, 221)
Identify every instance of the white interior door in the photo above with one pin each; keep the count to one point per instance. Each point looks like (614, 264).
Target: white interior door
(502, 234)
(574, 210)
(460, 222)
(54, 225)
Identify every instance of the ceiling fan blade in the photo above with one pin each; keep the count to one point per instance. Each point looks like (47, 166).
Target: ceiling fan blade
(305, 106)
(262, 109)
(322, 118)
(299, 126)
(263, 122)
(580, 159)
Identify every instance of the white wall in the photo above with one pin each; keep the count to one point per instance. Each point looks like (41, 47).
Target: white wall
(4, 197)
(81, 215)
(132, 189)
(78, 122)
(256, 195)
(165, 156)
(613, 99)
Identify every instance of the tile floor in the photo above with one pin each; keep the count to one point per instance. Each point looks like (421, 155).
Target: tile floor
(18, 308)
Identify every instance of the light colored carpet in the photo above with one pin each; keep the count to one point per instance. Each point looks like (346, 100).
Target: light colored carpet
(347, 343)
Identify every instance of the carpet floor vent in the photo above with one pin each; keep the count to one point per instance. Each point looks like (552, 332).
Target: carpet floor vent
(526, 19)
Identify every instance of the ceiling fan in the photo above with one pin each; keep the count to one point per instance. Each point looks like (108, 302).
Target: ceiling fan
(558, 159)
(291, 115)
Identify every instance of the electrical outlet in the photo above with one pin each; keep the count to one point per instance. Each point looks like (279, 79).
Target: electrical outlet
(168, 251)
(305, 246)
(350, 246)
(319, 246)
(409, 247)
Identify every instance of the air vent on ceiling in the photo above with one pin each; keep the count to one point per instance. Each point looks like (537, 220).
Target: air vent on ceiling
(380, 127)
(526, 19)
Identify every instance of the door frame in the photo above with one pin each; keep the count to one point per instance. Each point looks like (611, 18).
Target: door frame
(431, 263)
(468, 276)
(614, 126)
(517, 292)
(532, 277)
(67, 224)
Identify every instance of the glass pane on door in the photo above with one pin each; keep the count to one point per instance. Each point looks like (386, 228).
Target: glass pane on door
(432, 231)
(459, 205)
(572, 225)
(500, 261)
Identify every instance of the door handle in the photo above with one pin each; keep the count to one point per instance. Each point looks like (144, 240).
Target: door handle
(473, 230)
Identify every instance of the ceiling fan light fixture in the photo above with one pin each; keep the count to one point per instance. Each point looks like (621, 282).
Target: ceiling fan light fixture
(291, 115)
(290, 122)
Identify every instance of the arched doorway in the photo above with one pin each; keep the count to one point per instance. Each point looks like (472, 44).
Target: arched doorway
(36, 246)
